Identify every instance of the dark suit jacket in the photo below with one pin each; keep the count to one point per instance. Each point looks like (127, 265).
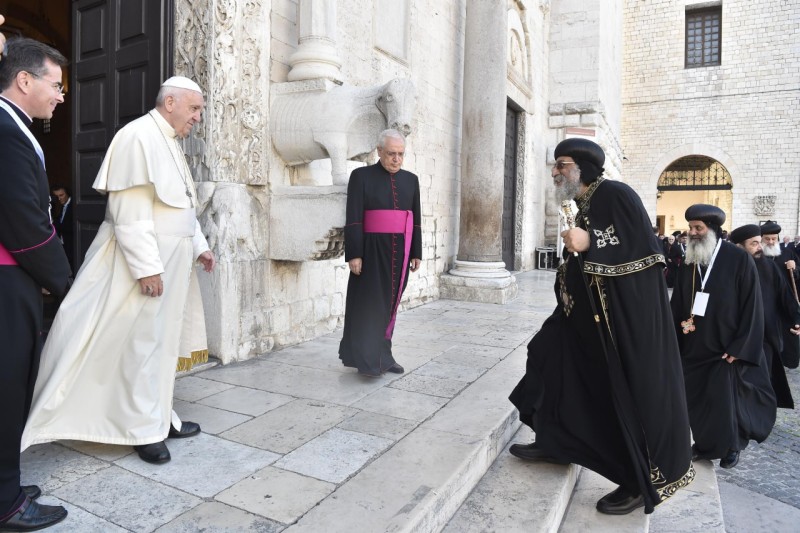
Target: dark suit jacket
(25, 227)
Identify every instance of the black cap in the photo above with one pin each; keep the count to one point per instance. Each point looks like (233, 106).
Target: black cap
(579, 148)
(742, 233)
(770, 227)
(711, 215)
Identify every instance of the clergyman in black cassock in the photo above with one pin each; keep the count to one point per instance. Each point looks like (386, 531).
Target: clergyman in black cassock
(781, 310)
(379, 262)
(728, 388)
(31, 258)
(609, 395)
(788, 262)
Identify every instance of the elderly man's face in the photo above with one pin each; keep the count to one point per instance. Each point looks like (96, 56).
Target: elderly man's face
(392, 154)
(670, 239)
(697, 230)
(185, 109)
(566, 177)
(753, 246)
(769, 240)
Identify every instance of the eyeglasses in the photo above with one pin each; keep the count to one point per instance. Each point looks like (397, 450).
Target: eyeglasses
(560, 165)
(56, 85)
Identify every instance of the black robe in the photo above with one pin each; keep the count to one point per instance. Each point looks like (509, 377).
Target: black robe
(781, 312)
(372, 296)
(729, 403)
(790, 353)
(620, 413)
(27, 233)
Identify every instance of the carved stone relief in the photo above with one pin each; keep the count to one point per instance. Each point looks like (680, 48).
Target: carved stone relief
(337, 122)
(764, 205)
(518, 59)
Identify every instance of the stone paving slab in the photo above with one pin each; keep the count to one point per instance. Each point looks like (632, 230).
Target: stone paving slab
(51, 466)
(211, 420)
(747, 511)
(289, 426)
(335, 455)
(251, 402)
(401, 404)
(215, 517)
(277, 494)
(196, 467)
(126, 499)
(192, 388)
(379, 425)
(79, 520)
(434, 386)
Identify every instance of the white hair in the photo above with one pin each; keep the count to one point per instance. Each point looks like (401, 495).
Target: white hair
(393, 133)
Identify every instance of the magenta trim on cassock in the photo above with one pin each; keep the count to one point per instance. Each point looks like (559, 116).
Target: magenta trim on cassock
(7, 259)
(392, 221)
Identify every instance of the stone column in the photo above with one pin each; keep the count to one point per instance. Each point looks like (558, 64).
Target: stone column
(316, 55)
(479, 273)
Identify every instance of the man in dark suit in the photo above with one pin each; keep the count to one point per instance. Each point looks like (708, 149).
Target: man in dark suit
(31, 258)
(63, 221)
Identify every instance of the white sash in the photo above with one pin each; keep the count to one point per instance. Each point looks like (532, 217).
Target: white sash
(25, 130)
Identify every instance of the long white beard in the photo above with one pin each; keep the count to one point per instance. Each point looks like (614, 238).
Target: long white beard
(568, 191)
(771, 250)
(700, 252)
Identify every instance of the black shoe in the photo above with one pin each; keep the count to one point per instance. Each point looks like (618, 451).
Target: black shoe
(32, 516)
(531, 452)
(156, 453)
(32, 491)
(188, 429)
(730, 460)
(620, 501)
(396, 369)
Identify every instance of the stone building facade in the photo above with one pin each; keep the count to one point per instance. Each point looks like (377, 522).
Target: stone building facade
(743, 112)
(610, 70)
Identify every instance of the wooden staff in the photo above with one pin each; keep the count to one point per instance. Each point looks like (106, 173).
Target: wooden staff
(792, 283)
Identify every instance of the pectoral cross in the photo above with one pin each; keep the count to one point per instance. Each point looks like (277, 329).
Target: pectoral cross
(688, 325)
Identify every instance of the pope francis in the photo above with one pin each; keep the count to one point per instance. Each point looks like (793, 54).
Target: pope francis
(108, 367)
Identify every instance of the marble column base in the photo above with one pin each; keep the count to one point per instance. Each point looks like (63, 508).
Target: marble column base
(472, 281)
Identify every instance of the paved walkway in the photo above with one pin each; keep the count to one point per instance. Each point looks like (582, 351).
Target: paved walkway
(293, 440)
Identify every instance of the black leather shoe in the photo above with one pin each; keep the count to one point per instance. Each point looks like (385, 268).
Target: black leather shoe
(32, 491)
(396, 369)
(156, 453)
(730, 460)
(620, 501)
(188, 429)
(32, 516)
(531, 452)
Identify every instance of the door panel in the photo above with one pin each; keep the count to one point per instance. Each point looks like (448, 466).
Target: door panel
(120, 57)
(509, 188)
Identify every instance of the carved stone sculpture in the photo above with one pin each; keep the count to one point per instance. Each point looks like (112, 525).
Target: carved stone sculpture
(340, 123)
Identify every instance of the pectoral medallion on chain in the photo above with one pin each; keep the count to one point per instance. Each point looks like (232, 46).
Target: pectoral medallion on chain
(688, 325)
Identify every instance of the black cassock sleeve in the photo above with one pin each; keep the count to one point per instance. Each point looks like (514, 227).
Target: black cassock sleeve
(416, 240)
(354, 224)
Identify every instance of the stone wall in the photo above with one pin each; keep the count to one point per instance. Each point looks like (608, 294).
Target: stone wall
(744, 113)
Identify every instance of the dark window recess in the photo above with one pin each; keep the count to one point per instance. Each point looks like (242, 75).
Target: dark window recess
(703, 37)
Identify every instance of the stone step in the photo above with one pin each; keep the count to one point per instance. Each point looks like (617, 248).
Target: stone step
(418, 484)
(517, 496)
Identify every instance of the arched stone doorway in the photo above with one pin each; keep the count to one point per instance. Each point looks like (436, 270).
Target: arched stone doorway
(691, 180)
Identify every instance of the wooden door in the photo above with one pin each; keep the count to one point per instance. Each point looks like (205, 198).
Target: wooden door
(509, 188)
(121, 52)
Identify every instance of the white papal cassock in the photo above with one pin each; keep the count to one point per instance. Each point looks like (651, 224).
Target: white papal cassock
(108, 367)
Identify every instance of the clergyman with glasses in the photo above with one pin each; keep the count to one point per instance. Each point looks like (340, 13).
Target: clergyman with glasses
(108, 366)
(31, 258)
(603, 386)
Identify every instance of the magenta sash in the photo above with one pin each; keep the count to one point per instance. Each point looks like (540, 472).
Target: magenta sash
(392, 221)
(5, 257)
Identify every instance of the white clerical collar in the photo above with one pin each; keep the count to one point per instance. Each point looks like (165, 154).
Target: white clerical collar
(15, 106)
(168, 130)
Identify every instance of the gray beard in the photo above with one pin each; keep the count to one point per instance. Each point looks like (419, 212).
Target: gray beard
(568, 191)
(700, 252)
(771, 250)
